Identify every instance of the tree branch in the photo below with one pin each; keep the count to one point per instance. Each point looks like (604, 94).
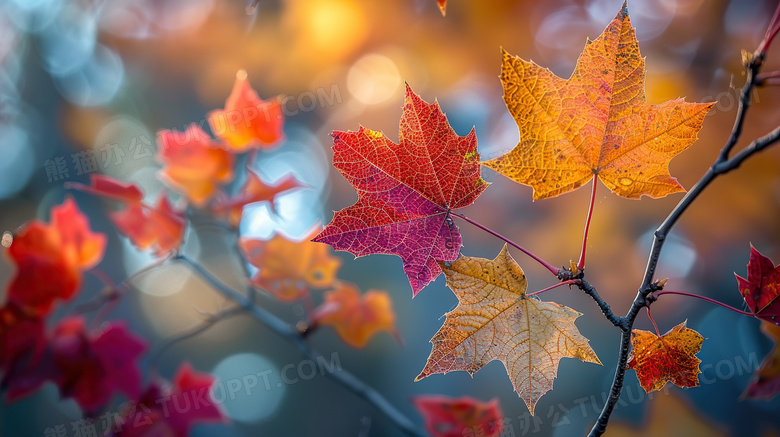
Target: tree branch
(281, 328)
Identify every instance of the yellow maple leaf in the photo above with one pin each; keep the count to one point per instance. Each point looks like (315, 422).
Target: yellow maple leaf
(597, 122)
(494, 320)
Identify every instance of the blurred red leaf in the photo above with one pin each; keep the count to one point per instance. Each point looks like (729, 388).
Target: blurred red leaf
(22, 342)
(762, 287)
(90, 367)
(171, 411)
(766, 381)
(247, 121)
(50, 258)
(193, 163)
(253, 191)
(450, 417)
(160, 227)
(356, 318)
(442, 7)
(288, 268)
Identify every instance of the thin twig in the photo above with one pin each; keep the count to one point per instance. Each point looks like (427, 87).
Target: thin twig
(544, 263)
(698, 296)
(281, 328)
(605, 308)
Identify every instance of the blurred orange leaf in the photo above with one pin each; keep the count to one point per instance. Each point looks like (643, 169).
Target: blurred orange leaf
(51, 257)
(160, 228)
(494, 320)
(442, 7)
(766, 381)
(668, 358)
(460, 417)
(193, 163)
(253, 191)
(288, 268)
(668, 416)
(356, 318)
(596, 123)
(247, 121)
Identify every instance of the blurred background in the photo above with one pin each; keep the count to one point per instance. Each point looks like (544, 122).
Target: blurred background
(106, 75)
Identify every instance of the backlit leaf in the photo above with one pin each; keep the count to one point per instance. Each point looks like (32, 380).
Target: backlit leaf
(668, 358)
(193, 163)
(494, 320)
(356, 318)
(287, 269)
(254, 190)
(247, 121)
(597, 122)
(406, 191)
(762, 287)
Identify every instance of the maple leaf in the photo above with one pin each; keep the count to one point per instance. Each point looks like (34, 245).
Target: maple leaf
(406, 191)
(22, 343)
(193, 163)
(451, 417)
(668, 358)
(50, 258)
(597, 122)
(668, 416)
(442, 7)
(766, 381)
(762, 287)
(172, 410)
(160, 228)
(288, 268)
(247, 121)
(89, 367)
(494, 320)
(254, 190)
(356, 318)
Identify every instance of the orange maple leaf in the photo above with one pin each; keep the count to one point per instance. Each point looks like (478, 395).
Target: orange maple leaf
(288, 268)
(247, 121)
(160, 228)
(193, 163)
(494, 320)
(766, 381)
(596, 123)
(668, 358)
(50, 258)
(253, 191)
(356, 318)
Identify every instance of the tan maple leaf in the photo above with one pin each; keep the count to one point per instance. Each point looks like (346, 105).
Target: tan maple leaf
(595, 124)
(494, 320)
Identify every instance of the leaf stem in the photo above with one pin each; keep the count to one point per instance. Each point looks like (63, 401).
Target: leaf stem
(581, 263)
(544, 263)
(569, 282)
(710, 300)
(650, 316)
(291, 335)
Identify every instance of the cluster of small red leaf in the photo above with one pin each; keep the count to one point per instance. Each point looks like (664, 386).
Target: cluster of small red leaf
(91, 365)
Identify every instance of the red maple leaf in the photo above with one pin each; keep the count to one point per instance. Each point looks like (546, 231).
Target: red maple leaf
(90, 367)
(761, 288)
(406, 191)
(450, 417)
(50, 258)
(160, 228)
(165, 410)
(22, 343)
